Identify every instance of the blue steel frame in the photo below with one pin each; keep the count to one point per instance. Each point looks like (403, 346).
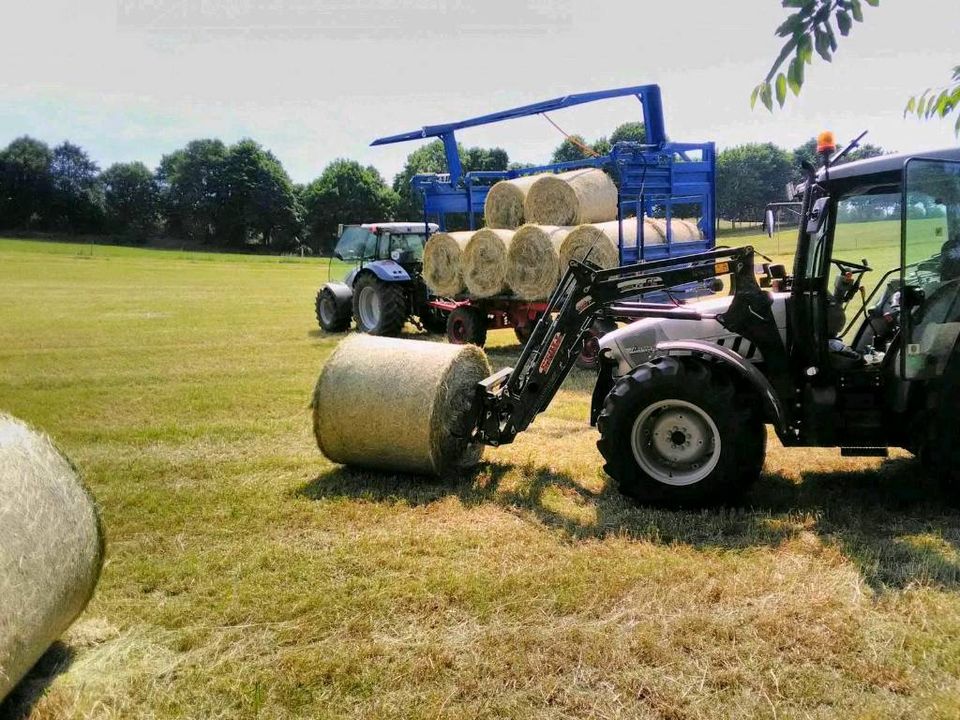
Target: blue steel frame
(657, 174)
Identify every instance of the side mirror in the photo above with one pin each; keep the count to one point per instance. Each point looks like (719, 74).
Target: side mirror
(768, 222)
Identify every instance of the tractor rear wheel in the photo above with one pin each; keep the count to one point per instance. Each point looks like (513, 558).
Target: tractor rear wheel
(675, 433)
(333, 316)
(467, 325)
(380, 308)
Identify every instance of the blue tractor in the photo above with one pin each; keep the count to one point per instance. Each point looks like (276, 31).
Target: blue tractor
(385, 288)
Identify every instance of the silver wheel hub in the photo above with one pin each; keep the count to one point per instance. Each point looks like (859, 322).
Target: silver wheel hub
(327, 309)
(675, 442)
(368, 305)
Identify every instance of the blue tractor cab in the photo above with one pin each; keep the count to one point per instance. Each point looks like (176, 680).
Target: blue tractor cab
(385, 288)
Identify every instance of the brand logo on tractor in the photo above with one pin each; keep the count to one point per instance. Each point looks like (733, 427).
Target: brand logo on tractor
(641, 283)
(551, 352)
(584, 303)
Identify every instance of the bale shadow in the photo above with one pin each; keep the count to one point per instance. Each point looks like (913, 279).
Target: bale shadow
(893, 523)
(21, 701)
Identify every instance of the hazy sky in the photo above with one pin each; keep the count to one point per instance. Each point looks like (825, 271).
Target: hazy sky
(317, 79)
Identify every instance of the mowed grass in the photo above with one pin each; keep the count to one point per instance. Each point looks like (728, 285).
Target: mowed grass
(247, 577)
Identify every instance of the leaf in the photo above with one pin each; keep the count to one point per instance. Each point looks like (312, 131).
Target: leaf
(766, 96)
(911, 106)
(781, 89)
(844, 22)
(822, 43)
(857, 10)
(755, 93)
(832, 37)
(790, 26)
(873, 3)
(805, 49)
(784, 54)
(794, 3)
(795, 75)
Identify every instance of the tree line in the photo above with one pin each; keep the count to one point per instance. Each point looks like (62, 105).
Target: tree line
(239, 196)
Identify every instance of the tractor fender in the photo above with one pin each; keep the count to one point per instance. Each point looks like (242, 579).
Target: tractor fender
(773, 408)
(342, 292)
(386, 270)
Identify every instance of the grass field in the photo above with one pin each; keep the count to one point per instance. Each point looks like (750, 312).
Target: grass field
(247, 577)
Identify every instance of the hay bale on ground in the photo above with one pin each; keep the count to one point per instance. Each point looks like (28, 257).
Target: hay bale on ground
(571, 198)
(399, 405)
(503, 207)
(484, 262)
(442, 256)
(533, 261)
(51, 547)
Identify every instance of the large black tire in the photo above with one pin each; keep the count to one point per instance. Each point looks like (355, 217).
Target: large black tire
(379, 308)
(332, 316)
(467, 325)
(676, 433)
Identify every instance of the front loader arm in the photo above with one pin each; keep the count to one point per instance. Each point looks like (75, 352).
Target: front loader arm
(509, 400)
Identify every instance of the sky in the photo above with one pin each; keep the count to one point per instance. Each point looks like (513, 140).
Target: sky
(314, 80)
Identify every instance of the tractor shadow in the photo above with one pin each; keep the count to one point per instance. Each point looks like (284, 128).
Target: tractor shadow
(893, 523)
(23, 698)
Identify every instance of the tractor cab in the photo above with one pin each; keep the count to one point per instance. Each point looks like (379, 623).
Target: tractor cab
(393, 242)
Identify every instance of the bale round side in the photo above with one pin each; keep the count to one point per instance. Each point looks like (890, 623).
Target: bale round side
(503, 207)
(681, 230)
(571, 198)
(533, 261)
(442, 262)
(399, 405)
(51, 547)
(484, 262)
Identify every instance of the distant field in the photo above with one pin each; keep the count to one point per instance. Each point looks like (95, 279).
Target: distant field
(247, 577)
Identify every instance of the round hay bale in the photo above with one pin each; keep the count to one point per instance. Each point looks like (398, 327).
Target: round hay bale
(399, 405)
(484, 262)
(503, 207)
(533, 261)
(571, 198)
(681, 230)
(51, 547)
(442, 257)
(602, 240)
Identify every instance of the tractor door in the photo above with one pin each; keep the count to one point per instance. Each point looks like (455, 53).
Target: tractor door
(930, 273)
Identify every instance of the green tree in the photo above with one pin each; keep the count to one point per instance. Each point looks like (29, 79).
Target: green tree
(131, 200)
(257, 199)
(750, 176)
(191, 189)
(814, 26)
(572, 148)
(77, 200)
(808, 152)
(430, 158)
(346, 192)
(25, 182)
(629, 132)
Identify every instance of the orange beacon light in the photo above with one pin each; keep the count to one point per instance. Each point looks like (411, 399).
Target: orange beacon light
(826, 143)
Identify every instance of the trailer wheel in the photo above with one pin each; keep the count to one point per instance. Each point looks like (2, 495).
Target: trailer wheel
(333, 316)
(433, 320)
(675, 433)
(467, 325)
(380, 308)
(589, 357)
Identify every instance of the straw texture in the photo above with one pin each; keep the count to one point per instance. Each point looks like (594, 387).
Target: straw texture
(51, 547)
(442, 257)
(533, 261)
(683, 230)
(503, 207)
(571, 198)
(399, 405)
(484, 262)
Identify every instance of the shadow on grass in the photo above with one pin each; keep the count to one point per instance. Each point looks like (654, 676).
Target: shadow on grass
(892, 522)
(19, 704)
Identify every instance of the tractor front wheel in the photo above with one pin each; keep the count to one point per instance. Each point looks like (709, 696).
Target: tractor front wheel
(467, 325)
(675, 433)
(332, 315)
(380, 308)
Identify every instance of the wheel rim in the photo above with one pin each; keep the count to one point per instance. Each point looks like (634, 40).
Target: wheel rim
(458, 330)
(327, 309)
(368, 306)
(675, 442)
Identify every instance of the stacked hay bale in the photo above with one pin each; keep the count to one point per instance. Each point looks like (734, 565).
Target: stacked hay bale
(534, 260)
(571, 198)
(681, 230)
(503, 207)
(602, 241)
(442, 262)
(51, 547)
(484, 262)
(399, 405)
